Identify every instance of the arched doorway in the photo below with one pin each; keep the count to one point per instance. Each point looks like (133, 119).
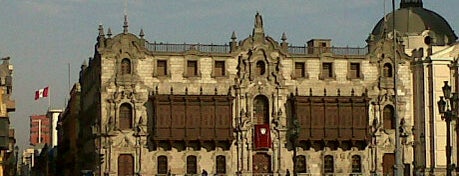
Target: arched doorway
(261, 110)
(125, 165)
(261, 164)
(388, 164)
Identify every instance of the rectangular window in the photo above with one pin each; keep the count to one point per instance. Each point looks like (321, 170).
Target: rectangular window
(221, 164)
(327, 70)
(191, 167)
(192, 68)
(300, 165)
(329, 164)
(300, 69)
(219, 68)
(161, 68)
(162, 165)
(354, 70)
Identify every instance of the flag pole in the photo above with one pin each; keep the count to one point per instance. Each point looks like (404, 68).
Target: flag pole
(398, 150)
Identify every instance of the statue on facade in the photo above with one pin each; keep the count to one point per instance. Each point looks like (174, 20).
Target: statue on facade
(258, 21)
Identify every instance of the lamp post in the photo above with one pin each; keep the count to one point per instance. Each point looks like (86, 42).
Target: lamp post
(294, 139)
(447, 105)
(422, 140)
(16, 158)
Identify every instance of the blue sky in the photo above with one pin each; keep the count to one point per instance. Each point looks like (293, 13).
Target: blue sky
(44, 37)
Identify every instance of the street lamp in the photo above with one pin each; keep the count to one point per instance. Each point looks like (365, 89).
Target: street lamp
(294, 139)
(447, 106)
(16, 158)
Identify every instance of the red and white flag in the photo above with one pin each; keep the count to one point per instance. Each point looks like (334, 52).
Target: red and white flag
(41, 93)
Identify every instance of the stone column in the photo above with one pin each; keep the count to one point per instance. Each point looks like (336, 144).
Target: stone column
(249, 155)
(275, 157)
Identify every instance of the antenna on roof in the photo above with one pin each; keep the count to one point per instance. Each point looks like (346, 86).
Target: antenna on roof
(125, 7)
(125, 26)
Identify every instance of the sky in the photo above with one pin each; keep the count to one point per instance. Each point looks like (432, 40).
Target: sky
(48, 40)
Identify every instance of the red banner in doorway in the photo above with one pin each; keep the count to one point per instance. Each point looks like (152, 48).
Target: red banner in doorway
(262, 136)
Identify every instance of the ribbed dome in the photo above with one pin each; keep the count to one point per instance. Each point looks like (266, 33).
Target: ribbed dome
(413, 21)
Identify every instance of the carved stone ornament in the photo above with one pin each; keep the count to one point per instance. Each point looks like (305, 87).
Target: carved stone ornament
(124, 142)
(263, 130)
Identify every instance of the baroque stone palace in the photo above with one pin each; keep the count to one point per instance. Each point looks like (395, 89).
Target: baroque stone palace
(258, 106)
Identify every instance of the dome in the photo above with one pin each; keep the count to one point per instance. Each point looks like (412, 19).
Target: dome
(413, 21)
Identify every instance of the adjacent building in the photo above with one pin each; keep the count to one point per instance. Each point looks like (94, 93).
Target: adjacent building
(42, 158)
(8, 151)
(40, 130)
(53, 116)
(68, 130)
(260, 106)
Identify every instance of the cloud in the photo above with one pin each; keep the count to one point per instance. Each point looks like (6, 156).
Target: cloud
(44, 7)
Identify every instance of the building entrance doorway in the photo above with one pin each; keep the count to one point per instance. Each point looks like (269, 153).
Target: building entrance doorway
(261, 164)
(388, 164)
(126, 165)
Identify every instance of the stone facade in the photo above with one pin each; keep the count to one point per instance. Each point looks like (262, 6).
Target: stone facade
(255, 67)
(145, 107)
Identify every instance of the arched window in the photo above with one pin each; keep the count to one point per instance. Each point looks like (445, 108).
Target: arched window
(191, 167)
(387, 70)
(329, 164)
(428, 40)
(260, 68)
(221, 164)
(162, 164)
(389, 121)
(125, 66)
(356, 164)
(125, 164)
(261, 109)
(300, 164)
(125, 116)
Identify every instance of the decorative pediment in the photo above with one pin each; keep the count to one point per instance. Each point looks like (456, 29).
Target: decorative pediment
(260, 66)
(384, 50)
(122, 43)
(124, 141)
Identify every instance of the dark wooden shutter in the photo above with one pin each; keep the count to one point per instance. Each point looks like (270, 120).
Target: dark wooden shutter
(354, 71)
(299, 70)
(327, 70)
(192, 68)
(161, 67)
(388, 164)
(219, 69)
